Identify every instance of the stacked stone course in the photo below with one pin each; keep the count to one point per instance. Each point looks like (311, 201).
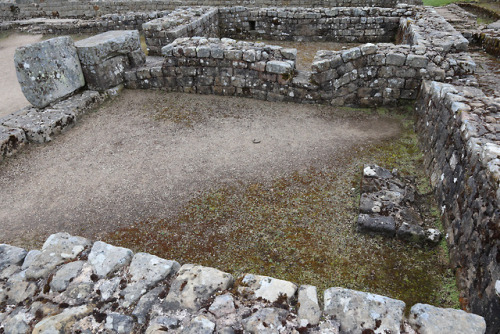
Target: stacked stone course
(361, 24)
(74, 285)
(460, 132)
(20, 9)
(183, 22)
(458, 125)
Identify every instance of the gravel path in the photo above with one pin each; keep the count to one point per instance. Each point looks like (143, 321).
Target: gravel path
(10, 92)
(145, 154)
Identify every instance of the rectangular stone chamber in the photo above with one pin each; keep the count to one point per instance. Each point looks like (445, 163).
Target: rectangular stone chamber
(105, 57)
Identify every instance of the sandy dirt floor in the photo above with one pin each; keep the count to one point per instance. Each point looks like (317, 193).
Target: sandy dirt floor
(10, 92)
(145, 154)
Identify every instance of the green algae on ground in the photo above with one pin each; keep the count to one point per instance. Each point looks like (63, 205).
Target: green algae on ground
(301, 228)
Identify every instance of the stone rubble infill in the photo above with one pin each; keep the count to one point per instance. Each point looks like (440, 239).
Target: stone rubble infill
(40, 125)
(75, 286)
(387, 207)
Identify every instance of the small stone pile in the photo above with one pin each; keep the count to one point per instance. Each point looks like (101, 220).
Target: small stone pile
(73, 285)
(387, 207)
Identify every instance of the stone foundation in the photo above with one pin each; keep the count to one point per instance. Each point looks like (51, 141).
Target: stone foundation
(74, 285)
(460, 135)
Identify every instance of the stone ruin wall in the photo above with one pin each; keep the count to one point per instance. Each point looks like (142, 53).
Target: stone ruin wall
(459, 128)
(458, 125)
(23, 9)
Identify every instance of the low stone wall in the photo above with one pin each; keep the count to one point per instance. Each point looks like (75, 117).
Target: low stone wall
(128, 21)
(75, 285)
(460, 132)
(360, 25)
(489, 39)
(182, 22)
(21, 9)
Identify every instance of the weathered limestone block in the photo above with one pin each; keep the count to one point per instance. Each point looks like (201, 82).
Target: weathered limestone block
(105, 57)
(57, 249)
(268, 288)
(194, 285)
(39, 125)
(150, 269)
(309, 311)
(62, 322)
(222, 306)
(119, 323)
(376, 224)
(65, 274)
(358, 311)
(11, 140)
(200, 325)
(48, 70)
(11, 255)
(17, 323)
(428, 319)
(106, 259)
(279, 67)
(265, 321)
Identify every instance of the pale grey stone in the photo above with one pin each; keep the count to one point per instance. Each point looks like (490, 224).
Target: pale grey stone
(194, 285)
(30, 257)
(105, 259)
(119, 323)
(497, 288)
(397, 59)
(150, 269)
(289, 53)
(146, 303)
(11, 255)
(17, 323)
(45, 78)
(11, 141)
(57, 249)
(416, 61)
(19, 291)
(61, 323)
(265, 321)
(268, 288)
(278, 67)
(107, 287)
(358, 311)
(65, 274)
(98, 48)
(309, 311)
(200, 325)
(351, 54)
(368, 49)
(428, 319)
(222, 306)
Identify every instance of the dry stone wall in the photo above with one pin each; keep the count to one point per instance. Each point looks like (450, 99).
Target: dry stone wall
(182, 22)
(21, 9)
(74, 285)
(460, 133)
(360, 24)
(458, 125)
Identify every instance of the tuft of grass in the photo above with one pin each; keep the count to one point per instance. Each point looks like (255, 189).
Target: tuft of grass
(438, 3)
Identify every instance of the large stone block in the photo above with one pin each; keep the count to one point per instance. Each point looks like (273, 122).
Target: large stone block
(106, 57)
(364, 312)
(48, 70)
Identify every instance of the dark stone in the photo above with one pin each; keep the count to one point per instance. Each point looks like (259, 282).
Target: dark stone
(377, 225)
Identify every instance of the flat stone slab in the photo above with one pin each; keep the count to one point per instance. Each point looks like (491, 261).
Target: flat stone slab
(105, 57)
(40, 125)
(96, 49)
(428, 319)
(44, 77)
(358, 311)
